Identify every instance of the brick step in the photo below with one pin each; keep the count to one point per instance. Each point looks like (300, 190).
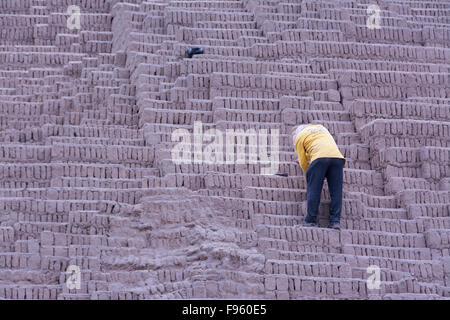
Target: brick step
(216, 42)
(96, 35)
(188, 16)
(26, 111)
(111, 247)
(98, 183)
(310, 116)
(431, 211)
(359, 237)
(418, 265)
(39, 209)
(21, 125)
(411, 296)
(8, 92)
(369, 110)
(101, 171)
(131, 294)
(274, 194)
(64, 240)
(246, 103)
(403, 285)
(326, 64)
(31, 227)
(186, 117)
(309, 287)
(75, 296)
(434, 222)
(375, 201)
(438, 238)
(169, 193)
(233, 115)
(108, 131)
(74, 193)
(92, 122)
(391, 239)
(22, 184)
(6, 236)
(308, 268)
(297, 103)
(380, 213)
(39, 59)
(279, 219)
(249, 66)
(32, 277)
(24, 153)
(379, 224)
(266, 243)
(224, 6)
(95, 141)
(308, 256)
(427, 196)
(386, 274)
(30, 291)
(102, 154)
(225, 24)
(229, 82)
(187, 34)
(387, 253)
(18, 260)
(406, 183)
(316, 34)
(85, 290)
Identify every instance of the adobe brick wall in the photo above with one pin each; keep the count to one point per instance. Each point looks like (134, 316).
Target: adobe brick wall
(87, 177)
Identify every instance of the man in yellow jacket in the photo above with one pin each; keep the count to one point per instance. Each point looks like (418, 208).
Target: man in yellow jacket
(320, 158)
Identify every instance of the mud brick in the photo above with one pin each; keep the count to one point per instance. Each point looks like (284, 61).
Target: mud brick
(282, 284)
(308, 287)
(47, 238)
(282, 295)
(334, 95)
(433, 239)
(270, 283)
(86, 120)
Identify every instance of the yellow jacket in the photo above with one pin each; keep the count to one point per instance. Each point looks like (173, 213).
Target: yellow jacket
(313, 142)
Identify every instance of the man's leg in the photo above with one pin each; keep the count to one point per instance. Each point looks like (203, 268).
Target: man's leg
(334, 178)
(314, 183)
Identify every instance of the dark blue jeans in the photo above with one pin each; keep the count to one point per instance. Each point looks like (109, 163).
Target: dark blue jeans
(319, 169)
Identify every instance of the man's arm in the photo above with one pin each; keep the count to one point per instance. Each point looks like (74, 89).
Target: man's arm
(301, 155)
(303, 162)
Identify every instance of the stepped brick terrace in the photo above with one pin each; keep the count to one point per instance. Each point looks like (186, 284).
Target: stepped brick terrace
(91, 93)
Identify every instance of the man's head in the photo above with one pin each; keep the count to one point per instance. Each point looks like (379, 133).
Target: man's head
(296, 130)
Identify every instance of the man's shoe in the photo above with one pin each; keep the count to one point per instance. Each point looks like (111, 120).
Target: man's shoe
(309, 224)
(335, 226)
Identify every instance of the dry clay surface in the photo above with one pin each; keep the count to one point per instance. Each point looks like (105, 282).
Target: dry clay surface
(87, 171)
